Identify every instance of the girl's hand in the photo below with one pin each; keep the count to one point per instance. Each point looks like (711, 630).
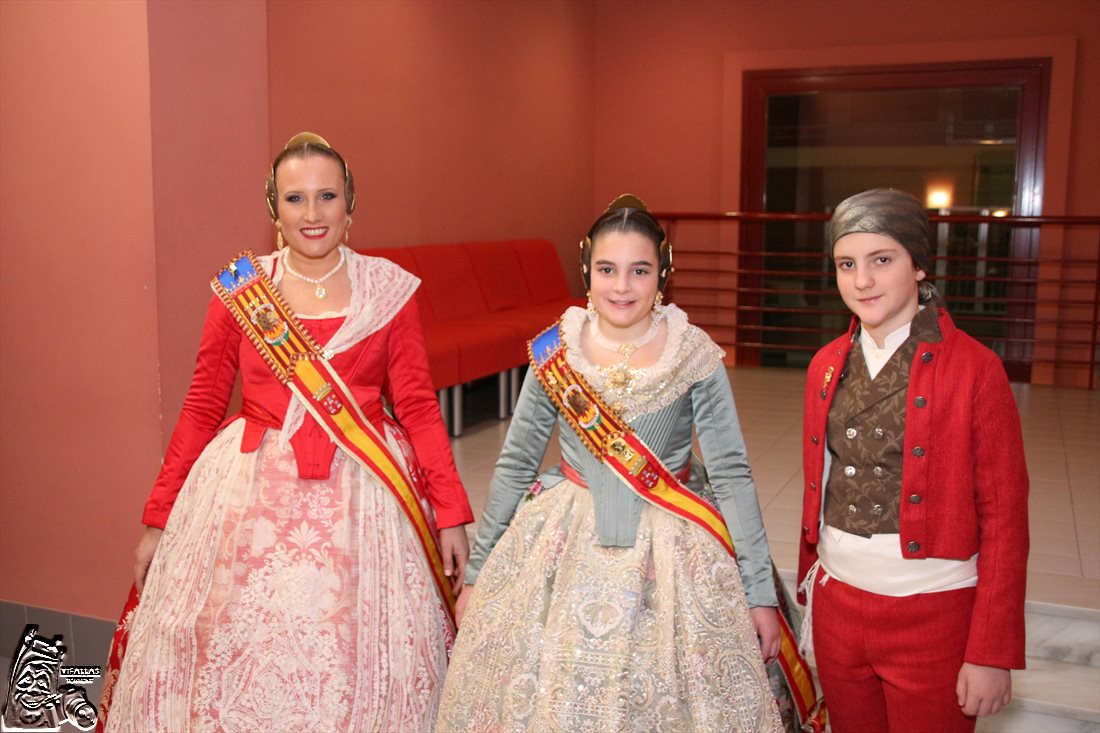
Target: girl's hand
(766, 623)
(460, 604)
(456, 550)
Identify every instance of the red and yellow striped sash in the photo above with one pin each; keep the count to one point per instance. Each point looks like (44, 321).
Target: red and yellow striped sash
(613, 441)
(297, 361)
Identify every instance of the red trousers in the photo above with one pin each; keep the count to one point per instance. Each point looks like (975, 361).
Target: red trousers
(889, 664)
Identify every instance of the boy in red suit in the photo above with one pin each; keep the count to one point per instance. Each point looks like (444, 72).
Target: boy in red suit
(914, 521)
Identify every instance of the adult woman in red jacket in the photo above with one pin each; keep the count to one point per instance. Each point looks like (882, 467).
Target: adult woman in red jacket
(914, 523)
(287, 589)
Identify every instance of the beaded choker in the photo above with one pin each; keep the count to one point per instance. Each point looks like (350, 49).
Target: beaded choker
(319, 291)
(626, 348)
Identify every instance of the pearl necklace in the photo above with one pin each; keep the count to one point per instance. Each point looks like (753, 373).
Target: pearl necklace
(319, 292)
(626, 348)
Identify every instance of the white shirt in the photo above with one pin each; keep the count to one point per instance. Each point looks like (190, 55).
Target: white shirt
(875, 357)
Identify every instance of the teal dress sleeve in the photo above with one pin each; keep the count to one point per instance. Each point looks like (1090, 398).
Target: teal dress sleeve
(727, 465)
(516, 469)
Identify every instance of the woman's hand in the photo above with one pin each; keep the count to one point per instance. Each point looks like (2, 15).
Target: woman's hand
(456, 549)
(460, 604)
(143, 555)
(983, 690)
(766, 623)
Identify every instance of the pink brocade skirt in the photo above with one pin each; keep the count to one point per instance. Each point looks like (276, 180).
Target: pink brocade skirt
(280, 604)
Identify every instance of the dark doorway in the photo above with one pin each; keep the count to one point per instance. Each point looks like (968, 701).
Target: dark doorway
(966, 138)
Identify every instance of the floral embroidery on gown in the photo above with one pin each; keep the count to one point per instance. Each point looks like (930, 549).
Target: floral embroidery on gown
(566, 634)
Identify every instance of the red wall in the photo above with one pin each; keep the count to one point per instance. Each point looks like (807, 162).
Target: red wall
(663, 132)
(673, 135)
(134, 149)
(460, 120)
(208, 77)
(79, 429)
(135, 138)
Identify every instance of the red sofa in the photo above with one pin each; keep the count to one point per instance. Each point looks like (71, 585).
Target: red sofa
(480, 302)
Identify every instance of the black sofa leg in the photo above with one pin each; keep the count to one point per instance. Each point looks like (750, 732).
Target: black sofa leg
(456, 410)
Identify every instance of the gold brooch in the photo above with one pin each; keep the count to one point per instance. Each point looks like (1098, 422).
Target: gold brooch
(618, 377)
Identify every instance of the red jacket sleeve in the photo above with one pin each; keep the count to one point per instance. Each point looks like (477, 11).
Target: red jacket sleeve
(203, 410)
(996, 636)
(416, 407)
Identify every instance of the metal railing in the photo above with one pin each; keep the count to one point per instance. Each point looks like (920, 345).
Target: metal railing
(1027, 286)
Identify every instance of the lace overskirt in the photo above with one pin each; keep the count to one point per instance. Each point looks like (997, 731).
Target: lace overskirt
(278, 604)
(565, 635)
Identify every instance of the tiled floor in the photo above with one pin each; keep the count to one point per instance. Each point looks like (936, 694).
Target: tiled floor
(1061, 438)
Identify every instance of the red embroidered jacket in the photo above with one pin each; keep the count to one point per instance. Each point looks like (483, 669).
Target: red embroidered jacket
(964, 479)
(392, 360)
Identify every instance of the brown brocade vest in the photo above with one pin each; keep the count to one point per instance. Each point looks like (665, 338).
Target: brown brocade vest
(866, 437)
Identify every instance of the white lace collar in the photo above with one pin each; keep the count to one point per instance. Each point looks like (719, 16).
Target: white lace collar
(688, 356)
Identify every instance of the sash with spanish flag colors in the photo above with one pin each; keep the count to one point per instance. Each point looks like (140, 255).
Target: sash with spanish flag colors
(297, 362)
(611, 440)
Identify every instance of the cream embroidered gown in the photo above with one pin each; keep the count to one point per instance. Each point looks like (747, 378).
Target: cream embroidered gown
(567, 631)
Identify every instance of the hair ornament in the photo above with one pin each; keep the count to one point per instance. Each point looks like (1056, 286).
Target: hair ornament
(306, 137)
(627, 201)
